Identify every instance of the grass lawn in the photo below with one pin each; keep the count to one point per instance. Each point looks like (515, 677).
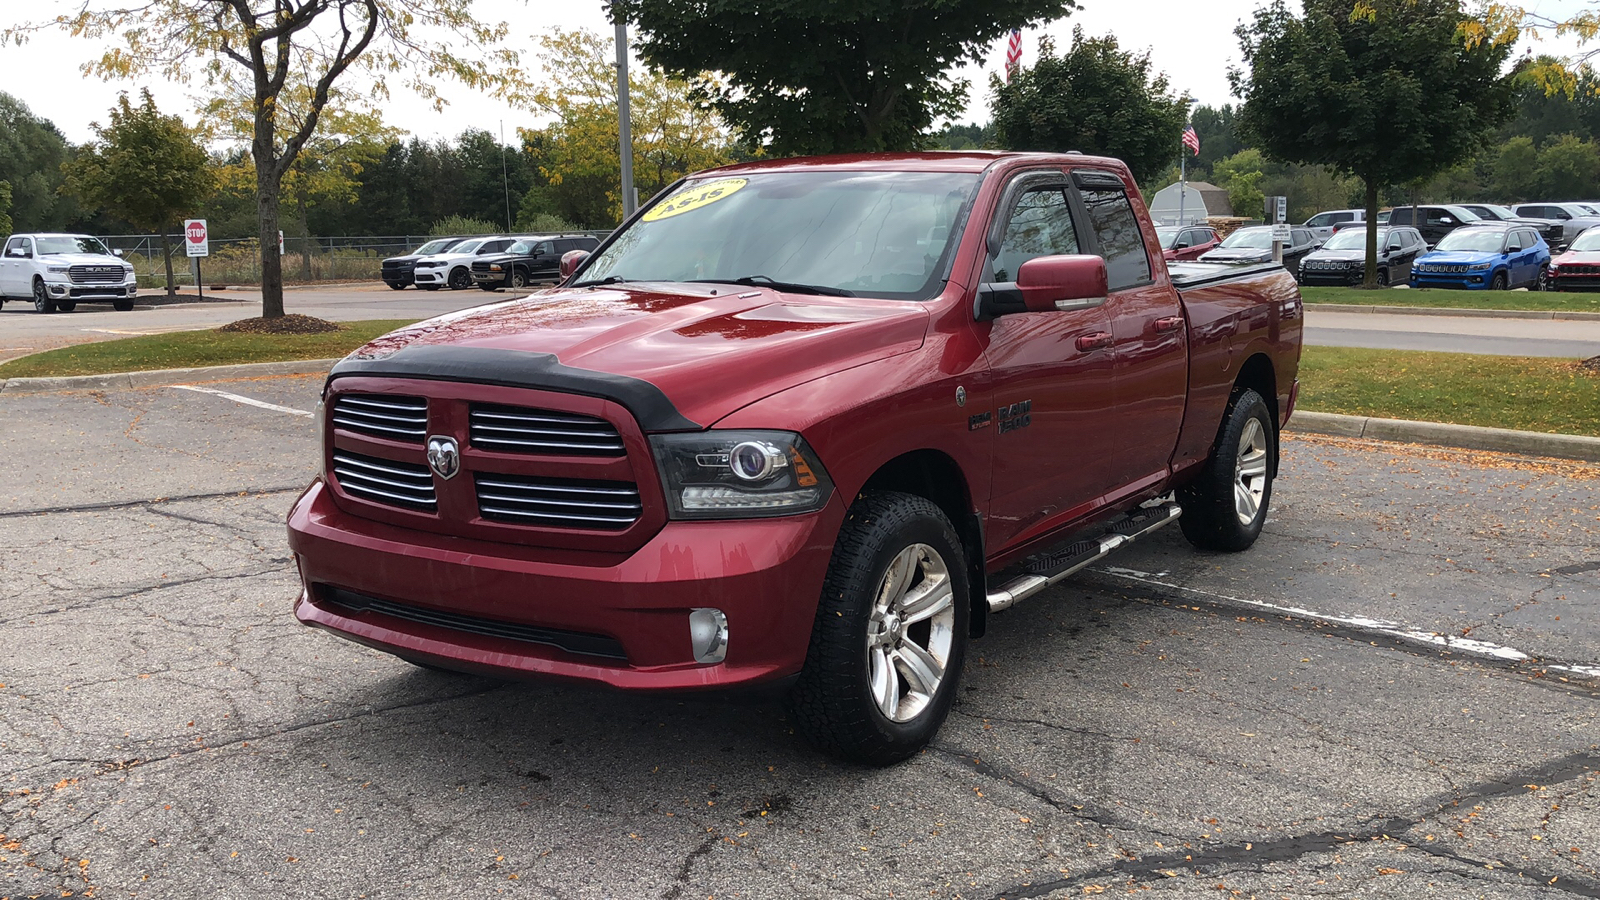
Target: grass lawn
(1525, 393)
(1566, 302)
(185, 349)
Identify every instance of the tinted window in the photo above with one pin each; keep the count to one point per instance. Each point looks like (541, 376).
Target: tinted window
(1300, 236)
(544, 247)
(1121, 242)
(1040, 225)
(494, 247)
(1321, 220)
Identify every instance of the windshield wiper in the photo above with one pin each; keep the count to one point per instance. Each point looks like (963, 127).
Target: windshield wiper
(793, 287)
(609, 279)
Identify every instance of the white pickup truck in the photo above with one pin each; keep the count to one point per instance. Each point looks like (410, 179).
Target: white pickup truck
(56, 271)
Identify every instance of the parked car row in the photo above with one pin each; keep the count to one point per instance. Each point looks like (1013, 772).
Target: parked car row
(492, 262)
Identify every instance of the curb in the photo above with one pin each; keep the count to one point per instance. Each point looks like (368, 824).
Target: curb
(1546, 314)
(1466, 437)
(161, 377)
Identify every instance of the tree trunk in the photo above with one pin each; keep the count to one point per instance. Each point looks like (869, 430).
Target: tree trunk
(271, 261)
(1371, 278)
(166, 254)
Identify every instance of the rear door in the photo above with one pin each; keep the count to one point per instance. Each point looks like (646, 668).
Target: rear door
(1147, 320)
(9, 266)
(1055, 450)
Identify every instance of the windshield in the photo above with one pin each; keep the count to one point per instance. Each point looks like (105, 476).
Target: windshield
(1168, 237)
(1249, 239)
(1495, 212)
(466, 246)
(76, 243)
(438, 246)
(880, 234)
(1473, 240)
(1353, 239)
(1589, 240)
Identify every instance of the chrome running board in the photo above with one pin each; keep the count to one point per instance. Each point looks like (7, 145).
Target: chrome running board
(1047, 569)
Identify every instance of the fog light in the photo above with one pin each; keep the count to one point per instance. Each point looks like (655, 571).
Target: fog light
(708, 634)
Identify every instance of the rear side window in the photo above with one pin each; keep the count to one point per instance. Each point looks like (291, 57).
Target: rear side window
(1040, 225)
(1344, 217)
(1112, 219)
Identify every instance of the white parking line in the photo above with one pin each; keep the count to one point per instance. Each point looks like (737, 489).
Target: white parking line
(1380, 626)
(245, 400)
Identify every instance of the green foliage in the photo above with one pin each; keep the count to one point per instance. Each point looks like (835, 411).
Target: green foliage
(1516, 169)
(1218, 135)
(451, 226)
(545, 223)
(5, 209)
(31, 153)
(1097, 98)
(1241, 175)
(1328, 88)
(144, 167)
(820, 76)
(1569, 167)
(963, 137)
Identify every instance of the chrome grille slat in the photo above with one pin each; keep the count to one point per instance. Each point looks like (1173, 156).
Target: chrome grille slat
(95, 274)
(376, 479)
(538, 431)
(382, 415)
(534, 501)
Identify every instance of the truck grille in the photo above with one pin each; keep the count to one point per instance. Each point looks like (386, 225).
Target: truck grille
(1570, 269)
(385, 481)
(513, 429)
(95, 274)
(600, 505)
(383, 415)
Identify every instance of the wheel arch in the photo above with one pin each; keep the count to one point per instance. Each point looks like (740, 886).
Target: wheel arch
(936, 476)
(1258, 375)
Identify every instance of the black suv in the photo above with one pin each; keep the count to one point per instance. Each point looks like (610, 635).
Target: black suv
(528, 261)
(1437, 221)
(398, 270)
(1343, 259)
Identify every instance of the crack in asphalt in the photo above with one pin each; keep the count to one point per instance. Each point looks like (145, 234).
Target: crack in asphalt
(131, 504)
(1264, 852)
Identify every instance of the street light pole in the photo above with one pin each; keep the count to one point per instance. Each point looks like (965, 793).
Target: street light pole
(625, 126)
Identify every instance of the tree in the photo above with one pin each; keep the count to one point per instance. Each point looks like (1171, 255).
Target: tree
(144, 168)
(1214, 126)
(580, 158)
(31, 154)
(1386, 90)
(1516, 169)
(1568, 167)
(260, 44)
(1240, 175)
(5, 209)
(819, 76)
(1097, 98)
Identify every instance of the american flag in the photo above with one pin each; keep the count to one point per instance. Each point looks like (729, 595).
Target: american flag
(1014, 53)
(1191, 140)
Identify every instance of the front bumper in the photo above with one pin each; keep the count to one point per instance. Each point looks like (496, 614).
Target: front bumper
(497, 279)
(1574, 282)
(66, 290)
(1336, 277)
(397, 277)
(472, 605)
(430, 276)
(1469, 281)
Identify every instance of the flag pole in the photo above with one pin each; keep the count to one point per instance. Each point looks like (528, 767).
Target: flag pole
(1183, 180)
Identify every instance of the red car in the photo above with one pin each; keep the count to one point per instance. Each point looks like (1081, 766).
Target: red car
(804, 423)
(1186, 242)
(1577, 269)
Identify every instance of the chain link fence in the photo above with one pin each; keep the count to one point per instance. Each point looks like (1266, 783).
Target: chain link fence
(237, 261)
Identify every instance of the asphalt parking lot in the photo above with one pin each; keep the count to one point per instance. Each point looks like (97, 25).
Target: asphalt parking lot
(1393, 695)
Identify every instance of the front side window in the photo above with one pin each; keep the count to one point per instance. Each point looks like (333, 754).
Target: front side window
(1040, 225)
(1121, 242)
(13, 245)
(875, 234)
(1321, 220)
(544, 248)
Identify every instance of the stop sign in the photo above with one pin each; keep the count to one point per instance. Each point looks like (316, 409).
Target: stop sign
(195, 239)
(197, 232)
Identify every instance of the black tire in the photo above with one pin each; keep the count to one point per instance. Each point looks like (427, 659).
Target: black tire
(486, 286)
(460, 278)
(1212, 516)
(1383, 277)
(42, 301)
(66, 305)
(122, 305)
(429, 287)
(1542, 283)
(1498, 282)
(519, 278)
(836, 703)
(398, 287)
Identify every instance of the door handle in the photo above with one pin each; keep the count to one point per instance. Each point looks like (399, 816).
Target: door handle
(1099, 340)
(1169, 323)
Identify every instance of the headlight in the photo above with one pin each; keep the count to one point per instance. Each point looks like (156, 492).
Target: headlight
(739, 474)
(494, 268)
(1481, 267)
(56, 270)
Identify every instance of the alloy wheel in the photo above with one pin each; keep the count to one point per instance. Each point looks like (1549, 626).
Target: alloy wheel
(1250, 472)
(910, 633)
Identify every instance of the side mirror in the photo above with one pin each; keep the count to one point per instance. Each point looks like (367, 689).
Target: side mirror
(1182, 245)
(15, 251)
(571, 260)
(116, 253)
(1046, 284)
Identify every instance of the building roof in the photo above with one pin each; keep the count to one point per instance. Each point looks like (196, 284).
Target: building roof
(1214, 199)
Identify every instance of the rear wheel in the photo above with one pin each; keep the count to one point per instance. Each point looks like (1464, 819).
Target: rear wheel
(890, 634)
(1498, 282)
(66, 305)
(41, 297)
(1226, 506)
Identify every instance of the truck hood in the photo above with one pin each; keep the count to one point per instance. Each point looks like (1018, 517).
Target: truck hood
(709, 348)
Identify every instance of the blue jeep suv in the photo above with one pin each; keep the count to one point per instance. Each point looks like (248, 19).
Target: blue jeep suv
(1486, 256)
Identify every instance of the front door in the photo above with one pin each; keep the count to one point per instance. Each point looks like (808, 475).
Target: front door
(1055, 447)
(1152, 365)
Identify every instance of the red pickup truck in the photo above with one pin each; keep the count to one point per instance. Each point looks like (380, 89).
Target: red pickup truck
(804, 423)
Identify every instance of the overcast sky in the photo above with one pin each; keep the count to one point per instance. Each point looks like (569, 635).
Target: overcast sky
(1191, 40)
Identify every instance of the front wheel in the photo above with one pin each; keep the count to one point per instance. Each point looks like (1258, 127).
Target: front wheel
(398, 287)
(1226, 506)
(429, 287)
(519, 279)
(66, 305)
(1498, 282)
(460, 279)
(1542, 283)
(1383, 277)
(125, 305)
(890, 635)
(42, 302)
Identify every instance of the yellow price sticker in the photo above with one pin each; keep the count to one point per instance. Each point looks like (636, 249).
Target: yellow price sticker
(694, 197)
